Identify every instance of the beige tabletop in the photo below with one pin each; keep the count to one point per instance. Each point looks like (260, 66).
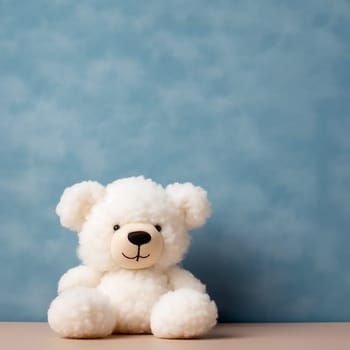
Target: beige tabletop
(333, 336)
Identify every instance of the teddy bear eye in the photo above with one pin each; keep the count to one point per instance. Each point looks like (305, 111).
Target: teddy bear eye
(158, 228)
(116, 227)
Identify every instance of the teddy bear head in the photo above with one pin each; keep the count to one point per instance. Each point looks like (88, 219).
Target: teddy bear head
(132, 223)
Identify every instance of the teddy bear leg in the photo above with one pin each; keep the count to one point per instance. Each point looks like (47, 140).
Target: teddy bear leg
(82, 313)
(184, 313)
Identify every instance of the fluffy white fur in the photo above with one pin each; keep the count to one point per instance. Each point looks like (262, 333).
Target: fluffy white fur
(101, 297)
(82, 313)
(183, 313)
(80, 276)
(76, 203)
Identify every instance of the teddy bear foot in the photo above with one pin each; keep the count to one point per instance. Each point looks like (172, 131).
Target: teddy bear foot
(81, 313)
(184, 313)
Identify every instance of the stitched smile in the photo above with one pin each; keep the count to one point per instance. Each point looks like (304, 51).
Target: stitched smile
(137, 256)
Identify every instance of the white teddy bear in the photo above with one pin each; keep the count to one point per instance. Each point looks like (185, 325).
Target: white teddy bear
(132, 235)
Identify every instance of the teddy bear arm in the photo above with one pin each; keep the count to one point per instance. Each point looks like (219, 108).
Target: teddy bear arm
(79, 276)
(180, 278)
(186, 311)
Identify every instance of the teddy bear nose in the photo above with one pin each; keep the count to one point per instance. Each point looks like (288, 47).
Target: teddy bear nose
(139, 237)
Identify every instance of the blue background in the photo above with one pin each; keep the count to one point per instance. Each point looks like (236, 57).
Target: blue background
(249, 99)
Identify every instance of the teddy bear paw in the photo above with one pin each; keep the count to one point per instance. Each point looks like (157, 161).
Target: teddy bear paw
(81, 313)
(184, 313)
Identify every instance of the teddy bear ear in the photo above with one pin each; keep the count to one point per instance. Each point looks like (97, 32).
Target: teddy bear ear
(76, 203)
(192, 201)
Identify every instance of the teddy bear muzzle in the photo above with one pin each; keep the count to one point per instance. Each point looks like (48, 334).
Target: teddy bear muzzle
(136, 246)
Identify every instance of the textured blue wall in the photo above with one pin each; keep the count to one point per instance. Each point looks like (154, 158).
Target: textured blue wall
(248, 99)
